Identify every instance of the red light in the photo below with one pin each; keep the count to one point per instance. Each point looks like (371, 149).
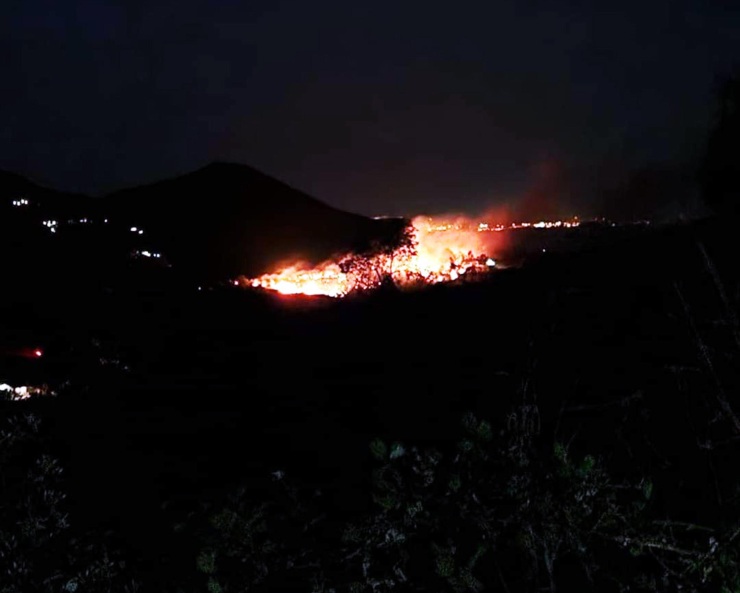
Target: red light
(38, 353)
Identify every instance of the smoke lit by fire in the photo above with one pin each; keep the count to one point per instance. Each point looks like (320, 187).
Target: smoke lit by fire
(438, 250)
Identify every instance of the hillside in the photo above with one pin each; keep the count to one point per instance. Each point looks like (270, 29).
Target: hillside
(228, 219)
(606, 347)
(43, 202)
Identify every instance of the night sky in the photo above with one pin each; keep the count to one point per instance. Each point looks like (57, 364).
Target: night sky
(374, 107)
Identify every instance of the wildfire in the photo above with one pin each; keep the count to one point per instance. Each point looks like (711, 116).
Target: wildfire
(326, 279)
(436, 251)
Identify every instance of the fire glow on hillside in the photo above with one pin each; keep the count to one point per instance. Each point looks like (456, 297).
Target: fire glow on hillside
(436, 250)
(433, 251)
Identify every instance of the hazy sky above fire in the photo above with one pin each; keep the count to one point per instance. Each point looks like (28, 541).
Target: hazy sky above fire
(375, 107)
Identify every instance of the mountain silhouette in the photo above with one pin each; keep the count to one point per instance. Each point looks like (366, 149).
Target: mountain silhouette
(218, 222)
(43, 202)
(228, 219)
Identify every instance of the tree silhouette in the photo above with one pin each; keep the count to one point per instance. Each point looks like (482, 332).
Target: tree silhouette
(720, 172)
(374, 266)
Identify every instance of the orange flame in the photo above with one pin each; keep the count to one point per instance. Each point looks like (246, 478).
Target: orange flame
(446, 249)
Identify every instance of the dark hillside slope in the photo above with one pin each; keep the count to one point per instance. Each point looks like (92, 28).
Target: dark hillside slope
(31, 258)
(43, 202)
(228, 219)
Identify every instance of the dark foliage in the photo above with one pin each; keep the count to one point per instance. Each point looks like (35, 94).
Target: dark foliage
(39, 550)
(720, 173)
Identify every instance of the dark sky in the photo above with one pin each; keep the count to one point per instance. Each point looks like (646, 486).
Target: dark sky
(376, 107)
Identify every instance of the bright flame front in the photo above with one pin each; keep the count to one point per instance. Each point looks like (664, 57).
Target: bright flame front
(444, 251)
(326, 279)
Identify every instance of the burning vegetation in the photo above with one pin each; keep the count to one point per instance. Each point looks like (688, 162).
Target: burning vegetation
(426, 251)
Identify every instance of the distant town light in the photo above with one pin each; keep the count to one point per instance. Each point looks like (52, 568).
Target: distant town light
(22, 392)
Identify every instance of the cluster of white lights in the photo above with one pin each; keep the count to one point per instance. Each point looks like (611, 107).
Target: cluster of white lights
(15, 392)
(484, 227)
(152, 254)
(53, 225)
(22, 392)
(566, 224)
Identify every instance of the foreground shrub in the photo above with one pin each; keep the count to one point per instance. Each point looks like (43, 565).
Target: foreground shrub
(39, 552)
(498, 510)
